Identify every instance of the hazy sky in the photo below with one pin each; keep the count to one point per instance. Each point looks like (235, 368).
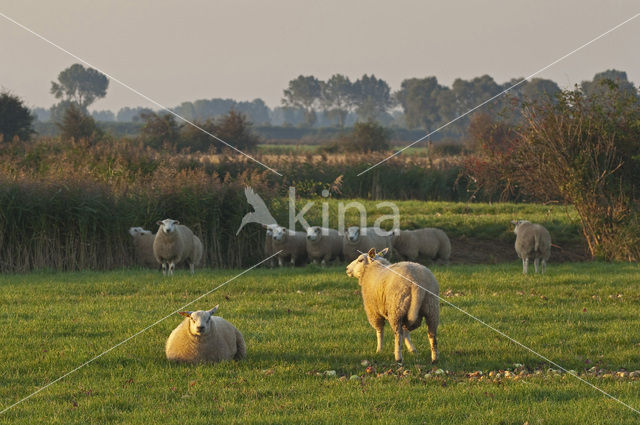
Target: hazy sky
(176, 51)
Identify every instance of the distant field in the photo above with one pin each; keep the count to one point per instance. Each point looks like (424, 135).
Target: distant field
(286, 149)
(301, 323)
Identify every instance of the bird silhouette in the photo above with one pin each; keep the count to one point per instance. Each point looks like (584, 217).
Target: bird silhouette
(260, 212)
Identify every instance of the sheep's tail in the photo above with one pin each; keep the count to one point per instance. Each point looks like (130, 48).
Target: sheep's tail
(241, 347)
(414, 319)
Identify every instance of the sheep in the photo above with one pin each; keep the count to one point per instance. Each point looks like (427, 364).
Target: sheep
(203, 337)
(357, 240)
(143, 247)
(402, 293)
(173, 244)
(532, 241)
(430, 243)
(292, 244)
(323, 244)
(197, 252)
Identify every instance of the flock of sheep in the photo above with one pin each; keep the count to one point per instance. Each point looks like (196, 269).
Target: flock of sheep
(401, 293)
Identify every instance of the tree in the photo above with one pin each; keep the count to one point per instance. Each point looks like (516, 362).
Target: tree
(76, 124)
(367, 137)
(235, 129)
(372, 97)
(197, 140)
(159, 129)
(337, 98)
(80, 85)
(304, 92)
(420, 99)
(15, 119)
(601, 84)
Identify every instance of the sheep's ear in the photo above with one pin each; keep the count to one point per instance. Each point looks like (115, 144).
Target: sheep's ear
(185, 313)
(383, 252)
(514, 222)
(214, 309)
(159, 222)
(372, 253)
(176, 222)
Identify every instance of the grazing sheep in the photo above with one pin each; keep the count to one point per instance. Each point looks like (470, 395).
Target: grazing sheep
(143, 247)
(358, 240)
(402, 293)
(173, 244)
(292, 244)
(203, 337)
(323, 244)
(532, 241)
(430, 243)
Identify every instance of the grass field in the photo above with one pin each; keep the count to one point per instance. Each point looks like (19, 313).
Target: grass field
(300, 323)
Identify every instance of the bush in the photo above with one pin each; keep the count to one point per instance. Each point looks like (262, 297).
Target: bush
(15, 118)
(77, 124)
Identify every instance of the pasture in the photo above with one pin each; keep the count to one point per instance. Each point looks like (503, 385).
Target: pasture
(302, 324)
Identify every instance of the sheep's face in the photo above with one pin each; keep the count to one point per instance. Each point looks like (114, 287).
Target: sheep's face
(199, 321)
(353, 233)
(168, 225)
(357, 266)
(279, 233)
(133, 231)
(517, 224)
(314, 233)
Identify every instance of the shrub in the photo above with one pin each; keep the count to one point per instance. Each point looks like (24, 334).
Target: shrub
(15, 118)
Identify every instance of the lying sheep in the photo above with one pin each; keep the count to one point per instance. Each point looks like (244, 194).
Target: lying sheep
(292, 244)
(203, 337)
(430, 243)
(358, 240)
(173, 244)
(402, 293)
(143, 247)
(532, 241)
(323, 244)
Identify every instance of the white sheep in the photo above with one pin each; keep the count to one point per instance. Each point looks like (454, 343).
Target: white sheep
(143, 247)
(268, 243)
(292, 244)
(358, 240)
(402, 293)
(532, 241)
(429, 243)
(323, 244)
(173, 244)
(203, 337)
(197, 252)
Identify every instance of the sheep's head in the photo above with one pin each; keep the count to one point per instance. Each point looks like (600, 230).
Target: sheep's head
(517, 224)
(199, 321)
(357, 266)
(134, 231)
(353, 233)
(279, 233)
(314, 233)
(269, 228)
(167, 225)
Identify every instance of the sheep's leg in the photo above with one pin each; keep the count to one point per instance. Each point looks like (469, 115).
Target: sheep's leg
(323, 263)
(293, 261)
(407, 341)
(172, 267)
(164, 269)
(525, 265)
(398, 335)
(379, 338)
(536, 264)
(378, 324)
(432, 327)
(544, 265)
(192, 267)
(280, 262)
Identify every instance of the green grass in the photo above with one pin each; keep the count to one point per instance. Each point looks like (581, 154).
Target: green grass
(458, 219)
(300, 323)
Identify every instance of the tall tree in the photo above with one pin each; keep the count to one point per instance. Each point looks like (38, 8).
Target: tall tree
(15, 118)
(421, 99)
(599, 85)
(372, 97)
(304, 92)
(80, 85)
(337, 98)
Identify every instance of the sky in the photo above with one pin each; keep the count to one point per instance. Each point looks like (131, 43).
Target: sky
(176, 51)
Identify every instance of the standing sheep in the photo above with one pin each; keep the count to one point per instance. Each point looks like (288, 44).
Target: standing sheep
(173, 244)
(268, 243)
(430, 243)
(143, 247)
(358, 240)
(292, 244)
(197, 253)
(402, 293)
(323, 244)
(203, 337)
(532, 241)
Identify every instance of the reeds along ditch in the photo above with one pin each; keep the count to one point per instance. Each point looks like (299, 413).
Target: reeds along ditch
(67, 205)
